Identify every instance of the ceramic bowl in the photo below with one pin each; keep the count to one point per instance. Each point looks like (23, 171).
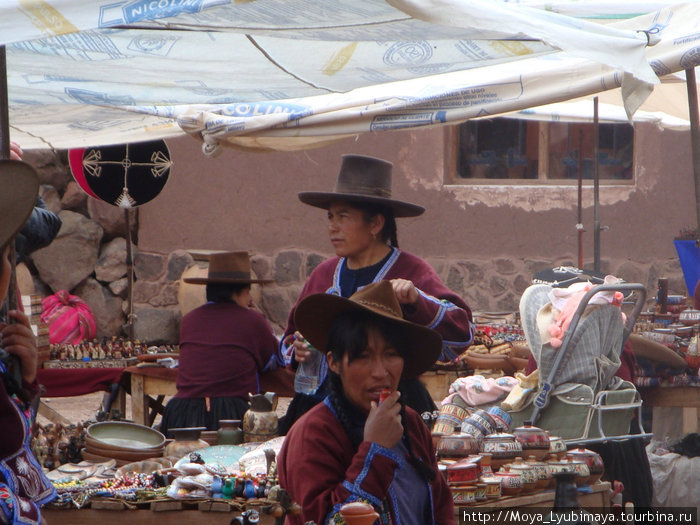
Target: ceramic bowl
(534, 440)
(131, 455)
(511, 482)
(501, 418)
(502, 447)
(123, 435)
(592, 459)
(689, 317)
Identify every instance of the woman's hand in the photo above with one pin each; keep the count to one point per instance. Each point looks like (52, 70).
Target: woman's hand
(383, 425)
(301, 348)
(15, 151)
(405, 291)
(18, 339)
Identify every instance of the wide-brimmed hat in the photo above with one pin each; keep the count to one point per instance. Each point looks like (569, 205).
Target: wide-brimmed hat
(362, 179)
(20, 187)
(316, 313)
(228, 267)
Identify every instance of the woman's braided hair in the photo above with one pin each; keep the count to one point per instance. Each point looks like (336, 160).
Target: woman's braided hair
(349, 335)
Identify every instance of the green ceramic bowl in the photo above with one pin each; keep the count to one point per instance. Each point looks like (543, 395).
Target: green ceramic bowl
(121, 435)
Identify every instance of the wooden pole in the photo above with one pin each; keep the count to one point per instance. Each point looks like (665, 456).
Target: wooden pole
(129, 276)
(4, 108)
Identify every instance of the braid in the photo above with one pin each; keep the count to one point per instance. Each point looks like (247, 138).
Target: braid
(425, 471)
(334, 392)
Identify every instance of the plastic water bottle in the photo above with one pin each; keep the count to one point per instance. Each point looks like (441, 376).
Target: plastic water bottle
(308, 375)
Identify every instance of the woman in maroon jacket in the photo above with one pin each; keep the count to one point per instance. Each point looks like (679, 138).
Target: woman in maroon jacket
(23, 486)
(362, 230)
(362, 443)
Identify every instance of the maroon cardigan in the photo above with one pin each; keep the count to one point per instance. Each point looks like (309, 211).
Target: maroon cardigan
(438, 307)
(321, 469)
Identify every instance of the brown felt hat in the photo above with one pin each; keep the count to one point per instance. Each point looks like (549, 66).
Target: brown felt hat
(316, 313)
(228, 267)
(362, 179)
(19, 187)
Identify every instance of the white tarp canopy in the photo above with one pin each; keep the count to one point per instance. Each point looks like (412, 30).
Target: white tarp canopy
(288, 74)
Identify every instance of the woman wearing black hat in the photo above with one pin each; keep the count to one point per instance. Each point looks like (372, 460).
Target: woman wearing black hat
(23, 486)
(362, 442)
(362, 230)
(224, 346)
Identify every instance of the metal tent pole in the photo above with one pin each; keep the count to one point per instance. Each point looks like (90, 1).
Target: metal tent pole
(596, 190)
(692, 87)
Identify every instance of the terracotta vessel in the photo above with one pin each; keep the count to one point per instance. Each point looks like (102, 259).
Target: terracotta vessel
(501, 418)
(463, 494)
(493, 487)
(581, 469)
(592, 459)
(186, 441)
(358, 513)
(485, 463)
(485, 420)
(557, 446)
(260, 422)
(502, 447)
(526, 471)
(534, 440)
(462, 472)
(457, 446)
(230, 432)
(480, 491)
(543, 473)
(511, 482)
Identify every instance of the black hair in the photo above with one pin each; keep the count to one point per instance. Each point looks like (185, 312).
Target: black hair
(349, 335)
(222, 292)
(389, 231)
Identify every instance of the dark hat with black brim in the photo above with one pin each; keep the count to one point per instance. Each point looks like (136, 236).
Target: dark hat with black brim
(228, 268)
(362, 179)
(20, 187)
(316, 313)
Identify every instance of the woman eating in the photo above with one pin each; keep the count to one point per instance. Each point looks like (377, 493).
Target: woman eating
(362, 443)
(362, 229)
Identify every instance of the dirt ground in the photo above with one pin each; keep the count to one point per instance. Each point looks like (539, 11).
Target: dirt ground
(85, 408)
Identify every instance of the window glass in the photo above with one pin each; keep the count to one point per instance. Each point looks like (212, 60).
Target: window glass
(503, 148)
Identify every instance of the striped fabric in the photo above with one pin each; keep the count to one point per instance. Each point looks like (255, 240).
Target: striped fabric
(69, 318)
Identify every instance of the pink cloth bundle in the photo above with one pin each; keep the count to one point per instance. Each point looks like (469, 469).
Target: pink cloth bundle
(69, 318)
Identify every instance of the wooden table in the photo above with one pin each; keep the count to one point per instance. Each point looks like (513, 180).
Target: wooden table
(598, 498)
(93, 516)
(149, 386)
(71, 382)
(685, 397)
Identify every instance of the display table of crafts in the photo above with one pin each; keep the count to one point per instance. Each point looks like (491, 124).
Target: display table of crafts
(156, 513)
(70, 382)
(592, 496)
(149, 385)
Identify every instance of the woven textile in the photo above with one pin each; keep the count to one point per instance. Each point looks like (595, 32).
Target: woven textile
(69, 318)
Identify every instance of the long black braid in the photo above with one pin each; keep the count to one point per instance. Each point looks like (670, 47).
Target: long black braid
(348, 334)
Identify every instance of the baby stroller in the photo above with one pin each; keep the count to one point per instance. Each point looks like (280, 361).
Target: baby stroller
(578, 397)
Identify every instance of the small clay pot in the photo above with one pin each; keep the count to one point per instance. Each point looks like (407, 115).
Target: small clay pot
(583, 476)
(534, 440)
(502, 447)
(511, 482)
(527, 473)
(464, 494)
(358, 513)
(493, 487)
(557, 447)
(462, 472)
(542, 472)
(457, 446)
(592, 459)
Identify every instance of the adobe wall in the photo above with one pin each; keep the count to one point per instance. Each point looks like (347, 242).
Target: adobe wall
(486, 242)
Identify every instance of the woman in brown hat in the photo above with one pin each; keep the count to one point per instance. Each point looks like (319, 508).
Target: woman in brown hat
(224, 346)
(362, 442)
(23, 486)
(362, 230)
